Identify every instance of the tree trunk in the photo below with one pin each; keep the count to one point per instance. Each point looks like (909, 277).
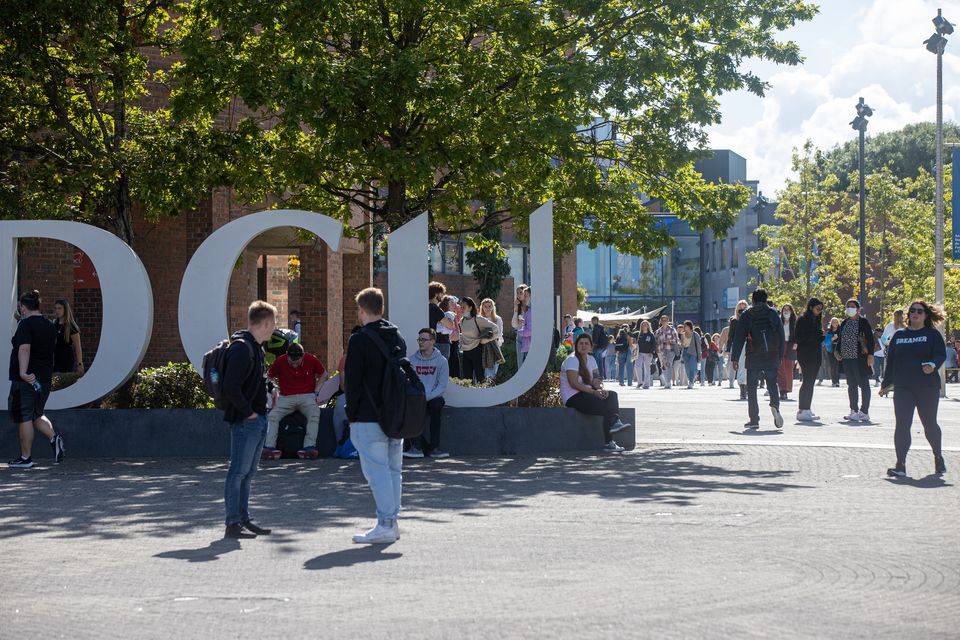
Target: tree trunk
(123, 206)
(396, 203)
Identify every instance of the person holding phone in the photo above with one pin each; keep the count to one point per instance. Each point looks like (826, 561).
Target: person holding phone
(913, 356)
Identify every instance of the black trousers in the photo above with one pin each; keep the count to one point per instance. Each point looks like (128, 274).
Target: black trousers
(593, 405)
(434, 408)
(926, 401)
(753, 377)
(472, 365)
(857, 378)
(809, 366)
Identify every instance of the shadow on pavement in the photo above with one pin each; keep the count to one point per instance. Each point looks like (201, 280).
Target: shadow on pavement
(106, 499)
(350, 557)
(209, 553)
(932, 481)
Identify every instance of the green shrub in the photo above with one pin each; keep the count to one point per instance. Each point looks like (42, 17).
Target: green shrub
(175, 385)
(545, 393)
(64, 380)
(509, 350)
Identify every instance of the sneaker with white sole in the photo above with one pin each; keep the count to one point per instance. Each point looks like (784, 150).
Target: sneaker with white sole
(413, 452)
(853, 416)
(899, 471)
(619, 425)
(384, 533)
(777, 418)
(613, 447)
(20, 463)
(863, 417)
(439, 455)
(58, 449)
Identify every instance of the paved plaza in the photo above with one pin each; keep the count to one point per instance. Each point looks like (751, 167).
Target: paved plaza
(703, 531)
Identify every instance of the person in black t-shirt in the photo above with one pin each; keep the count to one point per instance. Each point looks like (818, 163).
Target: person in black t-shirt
(914, 355)
(438, 319)
(31, 370)
(68, 354)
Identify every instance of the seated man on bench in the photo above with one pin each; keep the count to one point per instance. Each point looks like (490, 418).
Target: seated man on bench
(299, 376)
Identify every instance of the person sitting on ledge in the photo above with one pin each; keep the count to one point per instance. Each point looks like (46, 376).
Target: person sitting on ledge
(299, 376)
(581, 388)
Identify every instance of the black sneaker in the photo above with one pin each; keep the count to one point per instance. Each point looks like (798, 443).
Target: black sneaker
(899, 471)
(57, 445)
(236, 531)
(252, 528)
(752, 425)
(941, 466)
(21, 463)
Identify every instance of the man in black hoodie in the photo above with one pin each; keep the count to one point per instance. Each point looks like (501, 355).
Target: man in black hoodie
(245, 390)
(760, 331)
(381, 458)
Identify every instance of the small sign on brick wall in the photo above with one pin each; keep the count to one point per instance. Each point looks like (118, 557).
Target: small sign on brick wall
(84, 273)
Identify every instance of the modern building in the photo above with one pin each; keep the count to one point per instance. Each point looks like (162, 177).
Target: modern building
(701, 278)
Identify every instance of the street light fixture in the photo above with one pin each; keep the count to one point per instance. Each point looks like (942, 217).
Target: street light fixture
(935, 44)
(860, 124)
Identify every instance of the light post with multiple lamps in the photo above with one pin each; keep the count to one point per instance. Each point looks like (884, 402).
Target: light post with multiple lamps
(860, 124)
(936, 44)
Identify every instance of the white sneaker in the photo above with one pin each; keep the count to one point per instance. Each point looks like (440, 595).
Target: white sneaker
(777, 418)
(613, 447)
(380, 534)
(619, 425)
(413, 452)
(853, 416)
(863, 417)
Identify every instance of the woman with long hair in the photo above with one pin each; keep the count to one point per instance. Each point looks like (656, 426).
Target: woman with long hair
(582, 389)
(789, 361)
(67, 354)
(523, 322)
(690, 347)
(488, 310)
(646, 347)
(809, 340)
(734, 373)
(474, 331)
(914, 355)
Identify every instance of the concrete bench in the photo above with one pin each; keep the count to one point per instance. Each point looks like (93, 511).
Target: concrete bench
(202, 433)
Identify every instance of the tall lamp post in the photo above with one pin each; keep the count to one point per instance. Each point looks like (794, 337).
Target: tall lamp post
(860, 124)
(936, 44)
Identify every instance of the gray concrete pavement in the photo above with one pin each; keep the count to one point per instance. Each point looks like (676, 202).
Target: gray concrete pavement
(676, 540)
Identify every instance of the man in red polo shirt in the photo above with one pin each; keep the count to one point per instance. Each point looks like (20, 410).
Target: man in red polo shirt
(299, 377)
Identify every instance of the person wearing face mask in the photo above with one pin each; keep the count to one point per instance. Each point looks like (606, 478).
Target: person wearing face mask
(914, 354)
(789, 361)
(809, 341)
(854, 351)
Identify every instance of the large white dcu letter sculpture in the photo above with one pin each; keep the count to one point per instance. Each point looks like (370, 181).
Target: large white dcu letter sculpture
(127, 305)
(407, 298)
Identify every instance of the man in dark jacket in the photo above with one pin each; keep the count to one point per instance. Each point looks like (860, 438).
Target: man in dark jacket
(760, 331)
(381, 458)
(245, 390)
(600, 341)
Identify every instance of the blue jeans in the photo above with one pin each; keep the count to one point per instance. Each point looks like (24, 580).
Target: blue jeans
(520, 356)
(623, 366)
(878, 368)
(381, 459)
(246, 441)
(601, 362)
(491, 372)
(611, 369)
(690, 364)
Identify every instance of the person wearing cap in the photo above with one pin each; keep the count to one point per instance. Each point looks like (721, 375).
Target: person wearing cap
(299, 377)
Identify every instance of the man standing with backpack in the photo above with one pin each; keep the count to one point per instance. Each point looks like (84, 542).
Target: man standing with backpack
(760, 332)
(243, 397)
(381, 457)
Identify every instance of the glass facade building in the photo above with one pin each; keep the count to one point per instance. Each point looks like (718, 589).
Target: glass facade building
(616, 281)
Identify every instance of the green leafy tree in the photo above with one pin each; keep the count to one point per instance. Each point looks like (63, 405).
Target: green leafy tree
(811, 252)
(392, 107)
(906, 152)
(77, 140)
(489, 263)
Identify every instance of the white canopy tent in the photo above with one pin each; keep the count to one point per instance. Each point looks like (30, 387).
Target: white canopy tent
(620, 317)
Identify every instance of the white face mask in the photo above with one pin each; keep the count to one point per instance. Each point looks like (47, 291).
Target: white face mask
(851, 311)
(786, 315)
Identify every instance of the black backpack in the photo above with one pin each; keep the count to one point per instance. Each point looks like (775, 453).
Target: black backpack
(404, 400)
(214, 368)
(761, 336)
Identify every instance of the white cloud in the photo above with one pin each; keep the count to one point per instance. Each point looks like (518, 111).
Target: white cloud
(869, 48)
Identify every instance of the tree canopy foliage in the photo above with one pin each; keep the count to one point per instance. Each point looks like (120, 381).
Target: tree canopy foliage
(396, 107)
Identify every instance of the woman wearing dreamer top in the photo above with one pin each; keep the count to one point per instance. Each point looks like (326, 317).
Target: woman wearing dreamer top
(913, 356)
(581, 388)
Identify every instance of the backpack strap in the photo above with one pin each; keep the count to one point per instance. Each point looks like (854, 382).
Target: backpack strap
(378, 341)
(250, 353)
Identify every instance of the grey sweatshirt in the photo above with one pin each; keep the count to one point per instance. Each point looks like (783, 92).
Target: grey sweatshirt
(433, 371)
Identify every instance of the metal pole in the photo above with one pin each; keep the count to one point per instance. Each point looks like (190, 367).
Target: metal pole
(938, 246)
(863, 226)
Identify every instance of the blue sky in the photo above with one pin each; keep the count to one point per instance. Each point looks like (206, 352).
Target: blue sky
(853, 48)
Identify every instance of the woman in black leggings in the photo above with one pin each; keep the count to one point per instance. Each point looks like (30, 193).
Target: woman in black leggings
(809, 336)
(913, 357)
(581, 388)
